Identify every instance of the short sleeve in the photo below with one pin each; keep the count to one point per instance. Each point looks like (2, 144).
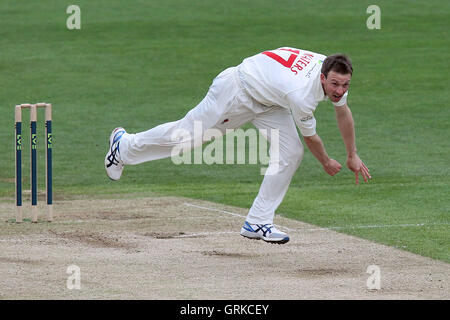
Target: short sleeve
(306, 124)
(303, 115)
(341, 102)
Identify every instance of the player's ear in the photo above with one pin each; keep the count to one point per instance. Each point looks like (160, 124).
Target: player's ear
(322, 78)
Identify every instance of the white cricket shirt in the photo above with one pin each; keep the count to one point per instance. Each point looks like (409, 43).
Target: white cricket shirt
(289, 78)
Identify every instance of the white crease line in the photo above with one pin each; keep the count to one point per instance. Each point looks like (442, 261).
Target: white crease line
(217, 210)
(377, 226)
(193, 235)
(230, 213)
(324, 229)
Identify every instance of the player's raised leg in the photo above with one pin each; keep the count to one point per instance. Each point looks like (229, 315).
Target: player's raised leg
(113, 161)
(159, 142)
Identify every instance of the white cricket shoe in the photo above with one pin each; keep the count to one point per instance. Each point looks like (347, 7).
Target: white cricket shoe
(113, 163)
(266, 232)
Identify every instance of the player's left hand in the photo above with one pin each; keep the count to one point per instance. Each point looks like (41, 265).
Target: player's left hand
(355, 164)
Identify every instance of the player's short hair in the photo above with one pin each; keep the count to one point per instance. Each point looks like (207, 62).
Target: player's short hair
(339, 63)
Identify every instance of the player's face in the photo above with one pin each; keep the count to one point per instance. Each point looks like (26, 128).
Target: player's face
(335, 84)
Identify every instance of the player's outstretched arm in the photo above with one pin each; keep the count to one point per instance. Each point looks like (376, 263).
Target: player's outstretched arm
(347, 128)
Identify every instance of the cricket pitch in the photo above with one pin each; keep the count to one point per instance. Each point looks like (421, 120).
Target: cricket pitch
(176, 248)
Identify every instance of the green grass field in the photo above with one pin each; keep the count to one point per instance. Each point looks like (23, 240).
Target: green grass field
(141, 63)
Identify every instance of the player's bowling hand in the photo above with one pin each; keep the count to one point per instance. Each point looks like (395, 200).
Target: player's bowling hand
(355, 164)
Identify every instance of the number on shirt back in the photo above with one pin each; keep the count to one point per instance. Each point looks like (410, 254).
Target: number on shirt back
(304, 60)
(287, 63)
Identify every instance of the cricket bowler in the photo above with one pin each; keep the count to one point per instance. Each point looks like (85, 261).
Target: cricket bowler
(275, 89)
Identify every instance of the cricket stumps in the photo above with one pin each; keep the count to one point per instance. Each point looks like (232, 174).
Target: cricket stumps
(33, 163)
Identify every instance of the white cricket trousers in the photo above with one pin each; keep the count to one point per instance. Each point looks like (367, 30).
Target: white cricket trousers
(228, 106)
